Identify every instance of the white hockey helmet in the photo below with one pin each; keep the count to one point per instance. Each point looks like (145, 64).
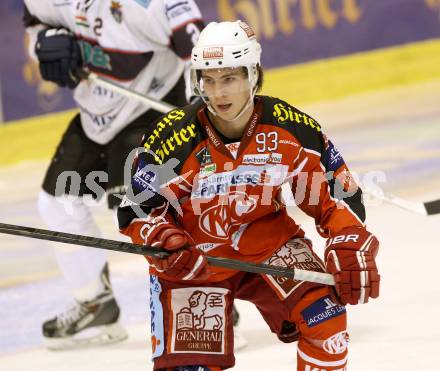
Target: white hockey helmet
(226, 44)
(223, 45)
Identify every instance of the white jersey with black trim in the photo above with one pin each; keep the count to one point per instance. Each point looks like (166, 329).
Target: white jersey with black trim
(143, 45)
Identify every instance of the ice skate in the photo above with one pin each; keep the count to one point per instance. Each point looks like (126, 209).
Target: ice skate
(93, 322)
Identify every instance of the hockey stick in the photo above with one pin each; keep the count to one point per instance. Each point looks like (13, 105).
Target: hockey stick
(119, 246)
(421, 208)
(115, 87)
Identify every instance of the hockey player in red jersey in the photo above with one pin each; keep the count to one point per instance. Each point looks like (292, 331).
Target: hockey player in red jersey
(207, 181)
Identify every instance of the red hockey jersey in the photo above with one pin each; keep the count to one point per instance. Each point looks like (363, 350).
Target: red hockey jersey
(228, 199)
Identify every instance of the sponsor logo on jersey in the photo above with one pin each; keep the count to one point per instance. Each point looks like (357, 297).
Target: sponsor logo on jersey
(208, 170)
(178, 139)
(335, 160)
(175, 139)
(262, 158)
(95, 55)
(100, 121)
(275, 158)
(204, 156)
(253, 175)
(218, 220)
(199, 322)
(289, 142)
(337, 343)
(212, 137)
(213, 52)
(144, 178)
(208, 246)
(254, 120)
(150, 180)
(256, 158)
(177, 8)
(295, 253)
(156, 311)
(285, 113)
(116, 11)
(321, 310)
(233, 148)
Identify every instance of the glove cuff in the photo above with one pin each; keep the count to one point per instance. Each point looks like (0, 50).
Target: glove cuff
(353, 239)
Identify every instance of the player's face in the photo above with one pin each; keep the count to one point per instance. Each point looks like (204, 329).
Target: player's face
(227, 89)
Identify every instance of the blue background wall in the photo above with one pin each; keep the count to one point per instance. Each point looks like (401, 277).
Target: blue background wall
(290, 31)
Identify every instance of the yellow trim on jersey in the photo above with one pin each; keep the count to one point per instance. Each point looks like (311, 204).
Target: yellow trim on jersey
(36, 138)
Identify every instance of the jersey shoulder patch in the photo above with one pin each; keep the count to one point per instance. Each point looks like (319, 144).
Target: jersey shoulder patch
(173, 135)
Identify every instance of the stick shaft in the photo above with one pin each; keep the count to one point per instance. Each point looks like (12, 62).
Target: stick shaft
(117, 88)
(126, 247)
(421, 208)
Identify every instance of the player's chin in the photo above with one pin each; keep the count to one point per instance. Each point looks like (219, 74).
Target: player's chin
(228, 114)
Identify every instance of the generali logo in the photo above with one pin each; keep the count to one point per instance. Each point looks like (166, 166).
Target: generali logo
(199, 325)
(293, 254)
(213, 52)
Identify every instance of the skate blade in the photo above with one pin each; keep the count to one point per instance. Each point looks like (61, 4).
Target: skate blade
(95, 336)
(240, 341)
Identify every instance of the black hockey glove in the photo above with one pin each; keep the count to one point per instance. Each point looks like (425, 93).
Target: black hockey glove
(59, 55)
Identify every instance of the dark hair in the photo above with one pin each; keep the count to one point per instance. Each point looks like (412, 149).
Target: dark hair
(260, 79)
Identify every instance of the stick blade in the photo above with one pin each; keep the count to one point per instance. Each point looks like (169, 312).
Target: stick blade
(432, 207)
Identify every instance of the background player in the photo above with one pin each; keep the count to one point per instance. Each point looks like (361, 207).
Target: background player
(144, 45)
(234, 152)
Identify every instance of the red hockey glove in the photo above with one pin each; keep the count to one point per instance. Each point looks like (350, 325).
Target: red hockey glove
(185, 262)
(349, 256)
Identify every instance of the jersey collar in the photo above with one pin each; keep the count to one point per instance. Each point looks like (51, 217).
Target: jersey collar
(248, 132)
